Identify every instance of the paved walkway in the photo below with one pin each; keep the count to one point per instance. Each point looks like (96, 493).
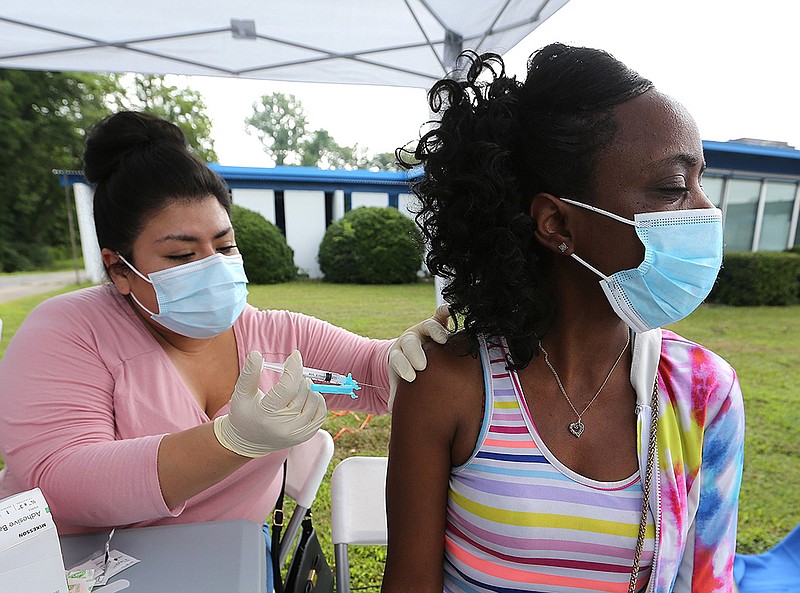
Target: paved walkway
(18, 286)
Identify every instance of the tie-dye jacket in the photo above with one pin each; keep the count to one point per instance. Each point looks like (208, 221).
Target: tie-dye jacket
(694, 496)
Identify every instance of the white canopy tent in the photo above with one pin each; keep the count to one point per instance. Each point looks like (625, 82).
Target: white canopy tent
(377, 42)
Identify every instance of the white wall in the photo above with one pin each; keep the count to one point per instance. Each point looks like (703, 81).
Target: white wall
(404, 201)
(305, 227)
(304, 213)
(381, 201)
(338, 204)
(258, 200)
(368, 199)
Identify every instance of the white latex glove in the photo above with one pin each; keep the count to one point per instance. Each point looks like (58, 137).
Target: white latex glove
(289, 414)
(406, 355)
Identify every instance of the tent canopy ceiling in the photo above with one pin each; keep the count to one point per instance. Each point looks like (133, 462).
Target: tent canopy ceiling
(381, 42)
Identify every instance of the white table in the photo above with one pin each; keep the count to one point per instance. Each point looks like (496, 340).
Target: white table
(216, 557)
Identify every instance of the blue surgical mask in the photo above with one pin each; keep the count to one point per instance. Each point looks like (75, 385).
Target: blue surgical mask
(682, 257)
(200, 299)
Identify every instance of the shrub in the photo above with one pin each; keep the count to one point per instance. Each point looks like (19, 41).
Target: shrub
(754, 279)
(268, 259)
(371, 246)
(25, 258)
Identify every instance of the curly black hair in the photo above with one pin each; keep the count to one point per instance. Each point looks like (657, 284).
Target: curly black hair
(495, 144)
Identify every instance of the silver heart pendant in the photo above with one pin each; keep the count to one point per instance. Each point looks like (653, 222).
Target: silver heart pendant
(576, 428)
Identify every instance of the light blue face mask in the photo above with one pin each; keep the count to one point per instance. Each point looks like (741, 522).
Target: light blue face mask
(682, 257)
(200, 299)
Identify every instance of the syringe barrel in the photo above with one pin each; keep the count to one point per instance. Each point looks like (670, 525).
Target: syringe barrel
(313, 374)
(326, 376)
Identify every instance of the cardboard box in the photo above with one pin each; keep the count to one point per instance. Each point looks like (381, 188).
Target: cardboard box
(30, 553)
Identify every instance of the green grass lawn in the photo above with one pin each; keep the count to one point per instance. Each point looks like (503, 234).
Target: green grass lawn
(762, 343)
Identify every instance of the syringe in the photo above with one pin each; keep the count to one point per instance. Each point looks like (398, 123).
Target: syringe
(335, 382)
(313, 374)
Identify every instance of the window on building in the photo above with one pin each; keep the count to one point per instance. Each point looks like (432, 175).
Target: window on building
(740, 214)
(777, 216)
(712, 187)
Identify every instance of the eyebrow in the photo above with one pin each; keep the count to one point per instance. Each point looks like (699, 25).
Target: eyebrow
(687, 160)
(192, 238)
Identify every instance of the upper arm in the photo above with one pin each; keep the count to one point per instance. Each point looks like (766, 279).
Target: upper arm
(58, 426)
(425, 420)
(56, 394)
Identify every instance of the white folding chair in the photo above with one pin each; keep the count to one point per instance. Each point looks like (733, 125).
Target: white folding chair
(358, 510)
(305, 470)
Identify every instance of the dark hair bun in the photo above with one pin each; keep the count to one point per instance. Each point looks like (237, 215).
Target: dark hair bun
(122, 134)
(138, 164)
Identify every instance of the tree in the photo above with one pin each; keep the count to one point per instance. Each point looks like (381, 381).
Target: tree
(321, 150)
(182, 106)
(320, 146)
(279, 121)
(281, 124)
(44, 117)
(383, 161)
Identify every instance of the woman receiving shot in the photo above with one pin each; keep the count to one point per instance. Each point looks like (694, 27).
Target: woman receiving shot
(562, 441)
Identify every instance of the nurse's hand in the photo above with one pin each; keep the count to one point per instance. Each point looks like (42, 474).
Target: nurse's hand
(406, 355)
(289, 414)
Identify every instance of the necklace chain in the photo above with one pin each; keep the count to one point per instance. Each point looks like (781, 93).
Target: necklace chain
(576, 428)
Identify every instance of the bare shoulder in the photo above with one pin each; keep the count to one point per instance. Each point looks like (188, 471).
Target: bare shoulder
(447, 397)
(451, 368)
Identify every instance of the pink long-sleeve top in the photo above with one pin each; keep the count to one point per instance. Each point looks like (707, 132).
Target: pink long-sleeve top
(87, 394)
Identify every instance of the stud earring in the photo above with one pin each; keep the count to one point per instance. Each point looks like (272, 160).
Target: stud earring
(563, 247)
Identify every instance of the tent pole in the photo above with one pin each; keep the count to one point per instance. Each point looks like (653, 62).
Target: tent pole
(453, 46)
(72, 244)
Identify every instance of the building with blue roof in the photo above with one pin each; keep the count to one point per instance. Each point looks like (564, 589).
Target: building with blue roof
(757, 186)
(755, 183)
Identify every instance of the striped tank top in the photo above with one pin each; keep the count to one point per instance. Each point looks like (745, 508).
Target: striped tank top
(519, 520)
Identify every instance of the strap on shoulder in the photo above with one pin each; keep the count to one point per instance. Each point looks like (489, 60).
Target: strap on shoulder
(644, 367)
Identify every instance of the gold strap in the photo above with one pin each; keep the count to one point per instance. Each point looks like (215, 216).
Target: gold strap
(648, 475)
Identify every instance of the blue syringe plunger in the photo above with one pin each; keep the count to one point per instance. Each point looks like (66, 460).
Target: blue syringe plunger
(348, 386)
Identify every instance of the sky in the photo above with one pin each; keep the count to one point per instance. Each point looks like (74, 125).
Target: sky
(734, 64)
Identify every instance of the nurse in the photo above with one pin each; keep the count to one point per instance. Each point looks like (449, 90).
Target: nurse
(142, 401)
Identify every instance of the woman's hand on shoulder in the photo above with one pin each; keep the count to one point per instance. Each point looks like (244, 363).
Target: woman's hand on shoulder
(407, 355)
(451, 376)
